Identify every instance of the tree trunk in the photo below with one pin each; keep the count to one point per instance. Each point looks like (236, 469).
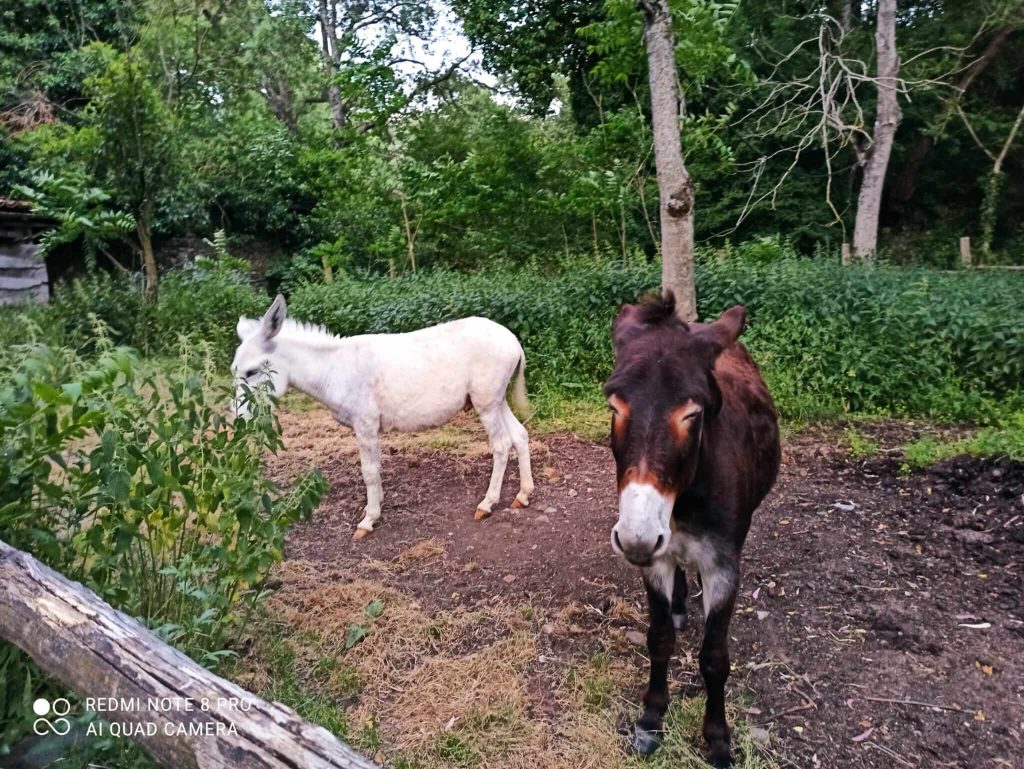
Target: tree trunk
(905, 183)
(843, 12)
(990, 204)
(328, 32)
(887, 118)
(101, 653)
(675, 186)
(143, 229)
(410, 236)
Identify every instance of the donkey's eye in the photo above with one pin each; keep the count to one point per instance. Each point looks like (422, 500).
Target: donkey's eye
(618, 406)
(687, 412)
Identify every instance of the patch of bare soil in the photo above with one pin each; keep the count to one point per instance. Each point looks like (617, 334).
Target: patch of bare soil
(880, 621)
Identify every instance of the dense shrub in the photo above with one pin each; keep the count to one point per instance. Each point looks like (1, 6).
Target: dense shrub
(202, 304)
(878, 339)
(136, 485)
(830, 338)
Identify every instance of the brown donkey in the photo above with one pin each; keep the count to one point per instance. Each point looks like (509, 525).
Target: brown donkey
(696, 445)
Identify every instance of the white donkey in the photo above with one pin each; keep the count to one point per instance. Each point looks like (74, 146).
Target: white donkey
(396, 382)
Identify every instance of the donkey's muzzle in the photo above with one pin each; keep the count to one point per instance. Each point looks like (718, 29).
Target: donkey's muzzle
(637, 548)
(642, 532)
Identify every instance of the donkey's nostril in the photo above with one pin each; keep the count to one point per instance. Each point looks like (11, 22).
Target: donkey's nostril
(618, 544)
(657, 545)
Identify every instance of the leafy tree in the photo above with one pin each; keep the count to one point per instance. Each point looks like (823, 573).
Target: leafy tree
(532, 44)
(44, 56)
(137, 149)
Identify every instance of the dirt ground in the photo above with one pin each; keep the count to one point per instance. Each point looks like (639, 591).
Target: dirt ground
(880, 621)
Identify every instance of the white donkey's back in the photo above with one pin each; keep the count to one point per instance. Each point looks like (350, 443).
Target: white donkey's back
(398, 382)
(423, 378)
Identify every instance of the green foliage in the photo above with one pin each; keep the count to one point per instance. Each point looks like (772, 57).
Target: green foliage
(47, 34)
(702, 49)
(537, 46)
(135, 484)
(194, 117)
(831, 340)
(137, 148)
(81, 212)
(202, 304)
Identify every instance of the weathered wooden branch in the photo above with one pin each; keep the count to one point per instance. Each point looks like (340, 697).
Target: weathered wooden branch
(101, 653)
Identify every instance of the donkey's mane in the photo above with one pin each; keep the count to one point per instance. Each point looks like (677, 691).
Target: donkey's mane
(301, 328)
(656, 310)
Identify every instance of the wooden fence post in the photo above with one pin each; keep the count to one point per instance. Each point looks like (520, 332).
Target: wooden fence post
(183, 715)
(965, 252)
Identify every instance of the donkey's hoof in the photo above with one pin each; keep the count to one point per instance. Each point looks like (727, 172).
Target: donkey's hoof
(721, 760)
(516, 504)
(480, 514)
(645, 741)
(360, 534)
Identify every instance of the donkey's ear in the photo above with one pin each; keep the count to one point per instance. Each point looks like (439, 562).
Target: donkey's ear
(728, 327)
(246, 327)
(626, 324)
(271, 323)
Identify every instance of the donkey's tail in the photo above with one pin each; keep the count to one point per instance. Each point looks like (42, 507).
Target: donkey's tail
(520, 401)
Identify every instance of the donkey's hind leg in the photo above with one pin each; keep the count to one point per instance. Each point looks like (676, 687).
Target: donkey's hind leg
(521, 443)
(501, 443)
(369, 462)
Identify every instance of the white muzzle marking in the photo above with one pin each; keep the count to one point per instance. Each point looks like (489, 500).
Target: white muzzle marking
(643, 530)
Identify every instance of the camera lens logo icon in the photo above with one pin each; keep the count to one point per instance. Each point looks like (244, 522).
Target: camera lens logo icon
(60, 707)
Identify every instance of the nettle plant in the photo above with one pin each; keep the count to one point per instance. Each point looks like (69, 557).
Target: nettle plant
(135, 483)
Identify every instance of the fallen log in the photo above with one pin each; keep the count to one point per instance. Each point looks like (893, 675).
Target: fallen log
(183, 715)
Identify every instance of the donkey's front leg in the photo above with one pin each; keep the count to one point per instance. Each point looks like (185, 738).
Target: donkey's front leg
(369, 462)
(719, 600)
(661, 640)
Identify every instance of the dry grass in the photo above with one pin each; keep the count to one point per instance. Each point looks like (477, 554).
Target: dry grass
(625, 611)
(464, 695)
(427, 548)
(460, 688)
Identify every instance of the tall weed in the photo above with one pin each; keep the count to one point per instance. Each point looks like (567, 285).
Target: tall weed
(135, 484)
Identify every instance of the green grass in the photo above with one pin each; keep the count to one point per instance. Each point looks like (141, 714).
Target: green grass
(596, 687)
(290, 686)
(456, 750)
(860, 446)
(584, 413)
(682, 747)
(1006, 440)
